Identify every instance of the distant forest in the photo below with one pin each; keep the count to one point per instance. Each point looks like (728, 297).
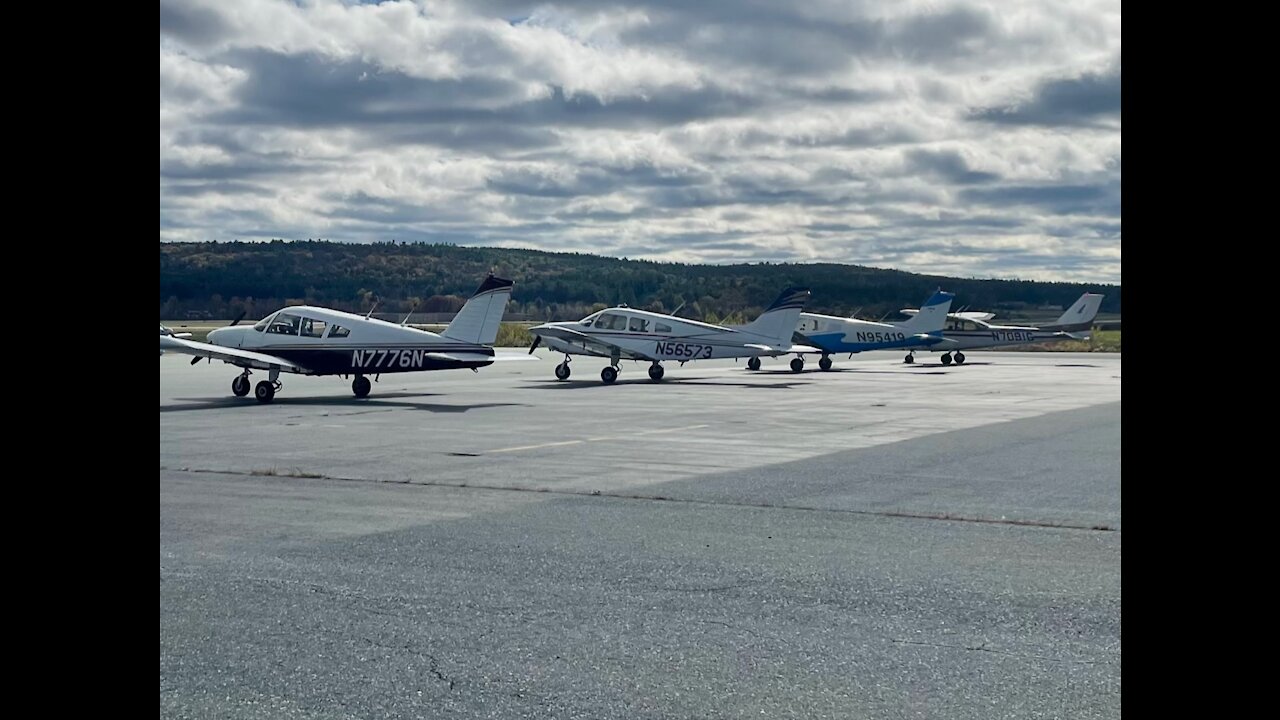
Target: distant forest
(220, 279)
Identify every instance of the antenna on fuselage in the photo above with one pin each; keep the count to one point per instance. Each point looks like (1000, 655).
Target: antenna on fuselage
(375, 307)
(677, 310)
(406, 317)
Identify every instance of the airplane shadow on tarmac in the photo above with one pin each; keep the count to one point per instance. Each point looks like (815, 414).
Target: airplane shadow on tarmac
(375, 402)
(552, 384)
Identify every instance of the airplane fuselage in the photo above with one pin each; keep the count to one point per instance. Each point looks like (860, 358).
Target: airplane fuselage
(330, 342)
(982, 335)
(850, 335)
(640, 335)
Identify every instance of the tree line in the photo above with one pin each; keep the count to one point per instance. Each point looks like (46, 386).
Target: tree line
(221, 279)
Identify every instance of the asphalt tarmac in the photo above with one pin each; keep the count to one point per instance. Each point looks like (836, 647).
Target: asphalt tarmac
(878, 541)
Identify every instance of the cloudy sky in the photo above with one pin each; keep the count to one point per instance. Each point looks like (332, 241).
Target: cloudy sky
(964, 138)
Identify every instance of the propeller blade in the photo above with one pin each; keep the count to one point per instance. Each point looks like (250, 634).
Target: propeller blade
(196, 359)
(238, 318)
(537, 340)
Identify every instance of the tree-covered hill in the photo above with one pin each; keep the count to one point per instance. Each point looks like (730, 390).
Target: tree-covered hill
(221, 279)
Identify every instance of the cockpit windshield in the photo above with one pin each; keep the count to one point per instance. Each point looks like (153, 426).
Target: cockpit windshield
(264, 322)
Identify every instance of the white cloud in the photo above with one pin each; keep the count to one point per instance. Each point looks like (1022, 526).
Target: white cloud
(968, 138)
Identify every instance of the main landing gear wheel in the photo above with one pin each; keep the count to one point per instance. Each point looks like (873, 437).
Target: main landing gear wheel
(264, 391)
(562, 371)
(825, 363)
(361, 386)
(909, 359)
(240, 386)
(959, 358)
(609, 374)
(946, 358)
(753, 363)
(797, 364)
(656, 372)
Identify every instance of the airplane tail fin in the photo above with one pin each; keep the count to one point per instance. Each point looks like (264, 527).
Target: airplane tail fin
(778, 322)
(1080, 315)
(478, 321)
(932, 316)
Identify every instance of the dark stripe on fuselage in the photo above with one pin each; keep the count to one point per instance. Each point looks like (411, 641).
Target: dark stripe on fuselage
(371, 361)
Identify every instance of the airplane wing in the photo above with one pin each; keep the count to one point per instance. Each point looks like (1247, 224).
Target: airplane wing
(931, 340)
(235, 356)
(784, 349)
(604, 347)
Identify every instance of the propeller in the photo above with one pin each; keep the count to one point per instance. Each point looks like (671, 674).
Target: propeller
(537, 340)
(238, 318)
(195, 360)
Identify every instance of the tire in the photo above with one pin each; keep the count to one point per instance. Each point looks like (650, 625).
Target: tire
(753, 363)
(361, 386)
(609, 374)
(959, 358)
(264, 391)
(562, 371)
(909, 359)
(240, 386)
(946, 358)
(656, 372)
(797, 364)
(825, 363)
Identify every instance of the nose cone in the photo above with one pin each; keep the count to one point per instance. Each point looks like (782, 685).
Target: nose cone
(539, 329)
(220, 336)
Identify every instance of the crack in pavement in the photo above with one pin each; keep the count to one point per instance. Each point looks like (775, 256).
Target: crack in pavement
(910, 515)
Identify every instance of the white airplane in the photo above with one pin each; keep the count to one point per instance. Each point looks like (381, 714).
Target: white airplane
(623, 333)
(832, 334)
(164, 331)
(319, 341)
(968, 330)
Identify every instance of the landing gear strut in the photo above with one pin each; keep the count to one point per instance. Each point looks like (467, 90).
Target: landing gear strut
(562, 370)
(240, 386)
(655, 371)
(825, 362)
(753, 363)
(265, 391)
(360, 386)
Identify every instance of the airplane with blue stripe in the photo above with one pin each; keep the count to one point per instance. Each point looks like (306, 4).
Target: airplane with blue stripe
(833, 335)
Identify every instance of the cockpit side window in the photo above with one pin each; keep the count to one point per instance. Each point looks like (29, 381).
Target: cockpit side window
(661, 328)
(285, 324)
(313, 328)
(609, 321)
(338, 331)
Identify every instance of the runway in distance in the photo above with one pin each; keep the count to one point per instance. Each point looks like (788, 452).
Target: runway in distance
(319, 341)
(624, 333)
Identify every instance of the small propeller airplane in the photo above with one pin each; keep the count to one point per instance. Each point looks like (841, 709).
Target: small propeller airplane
(971, 330)
(319, 341)
(164, 331)
(832, 334)
(623, 333)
